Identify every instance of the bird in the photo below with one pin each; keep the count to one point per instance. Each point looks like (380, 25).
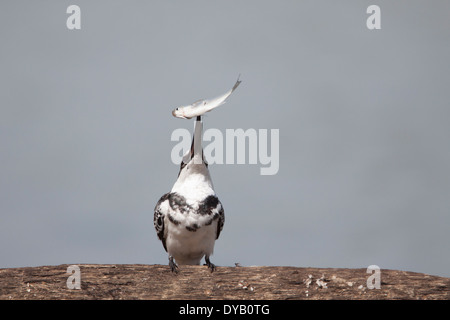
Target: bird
(189, 219)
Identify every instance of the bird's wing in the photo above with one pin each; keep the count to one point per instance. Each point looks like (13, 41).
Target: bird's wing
(214, 103)
(158, 219)
(221, 221)
(212, 208)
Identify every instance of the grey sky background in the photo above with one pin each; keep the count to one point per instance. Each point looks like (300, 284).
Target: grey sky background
(85, 127)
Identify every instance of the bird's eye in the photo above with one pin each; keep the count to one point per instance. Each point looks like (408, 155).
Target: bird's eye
(176, 109)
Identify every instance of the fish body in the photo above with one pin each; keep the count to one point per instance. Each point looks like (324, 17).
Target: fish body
(202, 106)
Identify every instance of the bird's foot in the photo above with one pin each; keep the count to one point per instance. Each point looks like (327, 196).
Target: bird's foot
(173, 266)
(210, 265)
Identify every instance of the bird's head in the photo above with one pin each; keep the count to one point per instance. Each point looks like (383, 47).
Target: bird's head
(194, 160)
(194, 173)
(193, 180)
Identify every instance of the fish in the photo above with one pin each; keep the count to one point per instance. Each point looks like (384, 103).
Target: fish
(202, 106)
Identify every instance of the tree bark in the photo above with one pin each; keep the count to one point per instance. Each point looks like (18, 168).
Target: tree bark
(197, 282)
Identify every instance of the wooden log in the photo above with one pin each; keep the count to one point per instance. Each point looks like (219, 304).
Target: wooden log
(157, 282)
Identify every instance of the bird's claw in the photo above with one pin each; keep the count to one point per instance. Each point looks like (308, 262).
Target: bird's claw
(210, 265)
(173, 266)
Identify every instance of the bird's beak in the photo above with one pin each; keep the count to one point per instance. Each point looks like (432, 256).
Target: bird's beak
(196, 146)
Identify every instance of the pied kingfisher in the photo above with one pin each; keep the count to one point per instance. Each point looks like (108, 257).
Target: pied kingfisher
(188, 219)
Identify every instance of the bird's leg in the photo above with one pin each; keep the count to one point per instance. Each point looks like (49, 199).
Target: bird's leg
(209, 264)
(173, 266)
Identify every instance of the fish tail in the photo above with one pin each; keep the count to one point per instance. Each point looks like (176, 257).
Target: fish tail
(238, 82)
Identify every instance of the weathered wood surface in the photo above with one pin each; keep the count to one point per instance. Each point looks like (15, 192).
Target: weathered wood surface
(197, 282)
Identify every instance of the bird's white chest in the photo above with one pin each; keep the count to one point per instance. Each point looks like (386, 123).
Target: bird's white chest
(188, 246)
(194, 189)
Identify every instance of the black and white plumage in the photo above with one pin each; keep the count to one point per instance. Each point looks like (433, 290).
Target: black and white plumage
(188, 219)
